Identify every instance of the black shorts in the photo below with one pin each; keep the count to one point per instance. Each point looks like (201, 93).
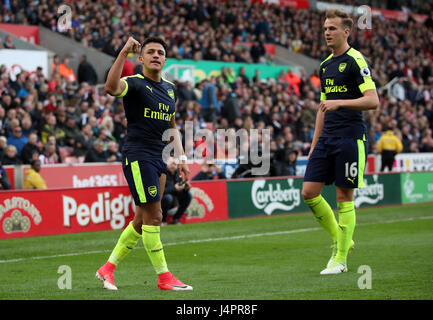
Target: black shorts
(339, 160)
(143, 179)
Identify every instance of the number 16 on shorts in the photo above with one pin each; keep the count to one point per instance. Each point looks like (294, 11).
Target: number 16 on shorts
(351, 171)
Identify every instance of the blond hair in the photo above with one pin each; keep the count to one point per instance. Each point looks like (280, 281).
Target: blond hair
(12, 148)
(346, 21)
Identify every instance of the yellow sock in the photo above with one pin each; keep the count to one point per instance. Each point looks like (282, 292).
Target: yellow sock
(152, 244)
(324, 215)
(346, 227)
(127, 241)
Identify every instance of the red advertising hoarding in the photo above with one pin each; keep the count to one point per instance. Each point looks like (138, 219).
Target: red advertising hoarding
(60, 211)
(296, 4)
(81, 175)
(88, 175)
(47, 212)
(10, 170)
(26, 33)
(209, 202)
(371, 164)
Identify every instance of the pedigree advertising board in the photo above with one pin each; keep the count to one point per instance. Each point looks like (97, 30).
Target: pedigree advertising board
(47, 212)
(60, 211)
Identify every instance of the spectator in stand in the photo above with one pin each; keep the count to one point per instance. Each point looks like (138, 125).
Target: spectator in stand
(426, 141)
(52, 139)
(186, 93)
(26, 125)
(209, 171)
(32, 178)
(257, 80)
(56, 63)
(119, 132)
(209, 100)
(294, 81)
(72, 112)
(61, 120)
(174, 193)
(105, 136)
(10, 121)
(8, 43)
(25, 90)
(96, 153)
(86, 72)
(3, 144)
(86, 139)
(51, 128)
(2, 117)
(49, 156)
(11, 156)
(66, 71)
(6, 101)
(5, 183)
(93, 122)
(31, 150)
(17, 139)
(257, 50)
(243, 76)
(71, 132)
(407, 138)
(231, 109)
(81, 148)
(286, 165)
(113, 154)
(314, 79)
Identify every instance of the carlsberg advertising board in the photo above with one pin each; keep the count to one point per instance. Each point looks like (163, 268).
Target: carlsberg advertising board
(268, 197)
(248, 198)
(264, 197)
(380, 189)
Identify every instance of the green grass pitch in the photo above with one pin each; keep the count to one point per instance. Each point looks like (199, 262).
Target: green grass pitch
(262, 258)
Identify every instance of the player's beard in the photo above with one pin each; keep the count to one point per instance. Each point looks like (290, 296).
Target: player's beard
(151, 69)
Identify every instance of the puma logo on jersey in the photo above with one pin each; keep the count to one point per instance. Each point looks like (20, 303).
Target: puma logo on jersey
(150, 88)
(351, 180)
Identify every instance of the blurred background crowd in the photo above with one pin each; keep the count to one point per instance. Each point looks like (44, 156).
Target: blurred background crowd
(65, 118)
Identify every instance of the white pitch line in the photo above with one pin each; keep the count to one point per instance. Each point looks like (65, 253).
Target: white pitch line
(245, 236)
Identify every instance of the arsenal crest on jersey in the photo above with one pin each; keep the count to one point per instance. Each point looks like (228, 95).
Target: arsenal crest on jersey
(171, 93)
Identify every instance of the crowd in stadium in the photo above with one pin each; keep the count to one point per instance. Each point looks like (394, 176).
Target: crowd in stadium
(56, 118)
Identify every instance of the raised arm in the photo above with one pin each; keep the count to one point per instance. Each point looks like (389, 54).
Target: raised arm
(113, 85)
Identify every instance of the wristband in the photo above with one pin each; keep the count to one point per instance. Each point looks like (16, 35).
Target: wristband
(183, 158)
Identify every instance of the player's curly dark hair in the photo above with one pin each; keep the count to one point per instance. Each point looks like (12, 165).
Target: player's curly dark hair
(154, 39)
